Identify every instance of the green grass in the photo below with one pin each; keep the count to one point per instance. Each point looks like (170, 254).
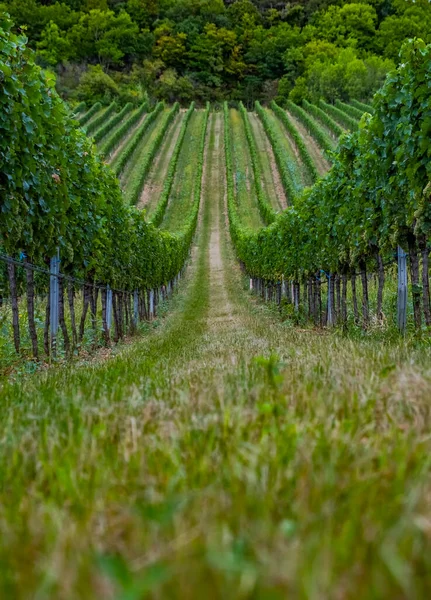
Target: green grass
(245, 189)
(331, 126)
(148, 149)
(297, 170)
(133, 163)
(181, 197)
(340, 116)
(271, 180)
(224, 453)
(362, 105)
(313, 127)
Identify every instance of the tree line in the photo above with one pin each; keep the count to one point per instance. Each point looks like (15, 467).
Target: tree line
(242, 50)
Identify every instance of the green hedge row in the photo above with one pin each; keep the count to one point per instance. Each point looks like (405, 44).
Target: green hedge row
(112, 122)
(89, 114)
(266, 210)
(159, 213)
(79, 108)
(146, 159)
(352, 111)
(120, 161)
(288, 170)
(312, 126)
(362, 106)
(299, 142)
(339, 115)
(101, 119)
(122, 131)
(324, 118)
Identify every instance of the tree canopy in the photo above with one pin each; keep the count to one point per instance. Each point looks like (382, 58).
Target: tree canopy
(218, 50)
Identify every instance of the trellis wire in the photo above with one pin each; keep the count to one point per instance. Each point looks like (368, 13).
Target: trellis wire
(290, 289)
(121, 309)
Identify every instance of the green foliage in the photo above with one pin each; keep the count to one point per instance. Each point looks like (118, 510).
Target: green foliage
(312, 126)
(112, 122)
(53, 46)
(122, 131)
(299, 142)
(355, 113)
(266, 210)
(363, 106)
(97, 86)
(57, 193)
(94, 124)
(286, 165)
(375, 197)
(104, 36)
(327, 71)
(132, 143)
(348, 25)
(324, 118)
(89, 114)
(340, 116)
(79, 108)
(136, 180)
(217, 50)
(159, 213)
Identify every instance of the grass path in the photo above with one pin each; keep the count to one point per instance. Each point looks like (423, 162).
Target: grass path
(316, 153)
(289, 147)
(221, 455)
(154, 182)
(271, 176)
(245, 190)
(117, 150)
(181, 197)
(133, 164)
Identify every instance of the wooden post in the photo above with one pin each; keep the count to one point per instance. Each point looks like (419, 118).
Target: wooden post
(402, 290)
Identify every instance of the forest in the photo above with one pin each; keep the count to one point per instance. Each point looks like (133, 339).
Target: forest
(215, 50)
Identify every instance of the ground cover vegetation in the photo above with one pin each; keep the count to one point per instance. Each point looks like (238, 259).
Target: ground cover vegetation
(224, 452)
(185, 50)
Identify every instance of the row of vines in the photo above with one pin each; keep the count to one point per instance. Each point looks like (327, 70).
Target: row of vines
(59, 197)
(375, 198)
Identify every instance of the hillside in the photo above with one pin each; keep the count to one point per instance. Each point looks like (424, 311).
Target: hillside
(184, 50)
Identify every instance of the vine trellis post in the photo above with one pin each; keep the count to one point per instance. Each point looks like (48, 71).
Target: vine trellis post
(54, 293)
(402, 290)
(108, 308)
(135, 308)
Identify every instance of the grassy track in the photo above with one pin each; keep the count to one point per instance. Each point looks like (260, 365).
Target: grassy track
(223, 455)
(181, 197)
(115, 153)
(272, 183)
(154, 184)
(245, 189)
(331, 126)
(95, 116)
(132, 165)
(313, 147)
(289, 148)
